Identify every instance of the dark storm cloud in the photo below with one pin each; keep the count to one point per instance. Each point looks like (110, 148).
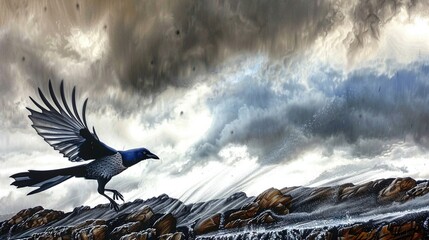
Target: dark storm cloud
(151, 44)
(372, 106)
(19, 67)
(366, 111)
(156, 44)
(164, 43)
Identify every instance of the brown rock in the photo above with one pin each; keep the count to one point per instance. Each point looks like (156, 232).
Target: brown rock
(40, 218)
(55, 233)
(97, 232)
(75, 231)
(350, 191)
(236, 223)
(141, 215)
(409, 230)
(125, 229)
(149, 233)
(396, 190)
(24, 214)
(280, 209)
(419, 190)
(241, 214)
(244, 214)
(165, 224)
(356, 232)
(67, 232)
(18, 218)
(207, 225)
(266, 198)
(274, 199)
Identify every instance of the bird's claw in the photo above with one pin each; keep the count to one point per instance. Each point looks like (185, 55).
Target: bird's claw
(114, 205)
(117, 195)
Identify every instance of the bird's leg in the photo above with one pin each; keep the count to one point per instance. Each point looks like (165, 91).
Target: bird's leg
(116, 195)
(101, 184)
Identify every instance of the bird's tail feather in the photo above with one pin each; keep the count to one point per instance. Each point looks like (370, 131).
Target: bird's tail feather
(46, 179)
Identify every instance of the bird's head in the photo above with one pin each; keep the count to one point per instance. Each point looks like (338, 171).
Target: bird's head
(143, 154)
(133, 156)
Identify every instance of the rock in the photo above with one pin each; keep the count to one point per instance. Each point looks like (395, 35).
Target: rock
(142, 215)
(263, 218)
(125, 229)
(271, 199)
(417, 191)
(274, 199)
(320, 234)
(172, 236)
(81, 209)
(248, 211)
(352, 191)
(97, 232)
(238, 211)
(165, 224)
(207, 225)
(236, 196)
(396, 190)
(40, 218)
(306, 199)
(408, 230)
(236, 224)
(87, 227)
(149, 233)
(24, 214)
(90, 222)
(357, 232)
(18, 218)
(65, 232)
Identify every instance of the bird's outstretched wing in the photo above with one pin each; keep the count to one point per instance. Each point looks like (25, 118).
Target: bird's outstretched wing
(64, 130)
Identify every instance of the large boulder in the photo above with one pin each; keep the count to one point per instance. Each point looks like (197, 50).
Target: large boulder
(396, 190)
(208, 224)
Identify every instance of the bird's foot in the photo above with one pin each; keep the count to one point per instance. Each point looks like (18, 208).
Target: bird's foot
(117, 195)
(114, 205)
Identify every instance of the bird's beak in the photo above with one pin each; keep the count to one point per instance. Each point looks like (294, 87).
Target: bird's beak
(153, 156)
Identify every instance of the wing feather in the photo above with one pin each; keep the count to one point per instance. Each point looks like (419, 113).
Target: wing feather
(63, 98)
(76, 113)
(63, 128)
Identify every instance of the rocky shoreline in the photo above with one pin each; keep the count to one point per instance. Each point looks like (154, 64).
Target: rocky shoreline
(381, 209)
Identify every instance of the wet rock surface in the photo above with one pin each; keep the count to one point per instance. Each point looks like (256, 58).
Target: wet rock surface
(381, 209)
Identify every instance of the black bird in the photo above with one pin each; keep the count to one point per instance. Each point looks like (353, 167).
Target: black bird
(63, 129)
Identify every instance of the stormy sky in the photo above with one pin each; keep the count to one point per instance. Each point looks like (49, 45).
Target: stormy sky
(232, 95)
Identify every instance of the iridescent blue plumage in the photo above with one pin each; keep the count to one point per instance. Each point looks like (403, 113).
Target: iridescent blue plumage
(64, 129)
(133, 156)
